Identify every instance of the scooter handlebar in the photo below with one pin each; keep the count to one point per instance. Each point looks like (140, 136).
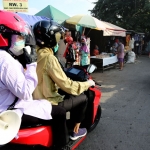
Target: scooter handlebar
(97, 83)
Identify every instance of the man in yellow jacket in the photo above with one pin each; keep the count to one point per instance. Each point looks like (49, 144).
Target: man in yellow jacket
(51, 76)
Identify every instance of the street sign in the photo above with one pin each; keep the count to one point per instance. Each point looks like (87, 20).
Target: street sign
(15, 5)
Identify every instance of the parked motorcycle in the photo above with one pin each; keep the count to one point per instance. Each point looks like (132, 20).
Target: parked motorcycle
(41, 135)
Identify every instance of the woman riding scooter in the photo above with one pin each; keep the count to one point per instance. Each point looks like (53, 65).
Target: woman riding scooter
(17, 84)
(51, 76)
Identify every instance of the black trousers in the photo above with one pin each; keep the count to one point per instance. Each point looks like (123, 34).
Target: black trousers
(77, 105)
(58, 124)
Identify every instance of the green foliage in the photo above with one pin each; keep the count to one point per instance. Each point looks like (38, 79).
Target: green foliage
(128, 14)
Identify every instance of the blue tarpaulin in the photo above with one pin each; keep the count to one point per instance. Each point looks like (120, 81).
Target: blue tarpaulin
(31, 19)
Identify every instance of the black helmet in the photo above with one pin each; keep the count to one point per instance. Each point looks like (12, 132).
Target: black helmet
(47, 33)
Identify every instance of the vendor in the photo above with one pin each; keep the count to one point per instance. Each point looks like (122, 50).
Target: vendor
(95, 51)
(120, 54)
(115, 46)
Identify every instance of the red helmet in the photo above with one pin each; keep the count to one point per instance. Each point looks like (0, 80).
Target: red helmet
(11, 23)
(69, 39)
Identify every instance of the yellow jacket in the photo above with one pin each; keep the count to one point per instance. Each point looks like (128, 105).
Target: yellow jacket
(51, 76)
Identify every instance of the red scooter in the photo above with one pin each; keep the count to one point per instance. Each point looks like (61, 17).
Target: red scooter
(42, 135)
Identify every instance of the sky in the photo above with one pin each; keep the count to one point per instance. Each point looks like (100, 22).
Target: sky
(69, 7)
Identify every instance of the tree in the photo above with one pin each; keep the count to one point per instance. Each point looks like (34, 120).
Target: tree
(128, 14)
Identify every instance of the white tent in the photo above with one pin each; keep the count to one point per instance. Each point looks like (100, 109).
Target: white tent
(113, 30)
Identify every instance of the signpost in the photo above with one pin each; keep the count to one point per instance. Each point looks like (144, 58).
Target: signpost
(15, 5)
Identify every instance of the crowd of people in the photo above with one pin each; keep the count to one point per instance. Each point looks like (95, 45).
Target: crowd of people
(77, 52)
(120, 46)
(32, 85)
(133, 45)
(117, 48)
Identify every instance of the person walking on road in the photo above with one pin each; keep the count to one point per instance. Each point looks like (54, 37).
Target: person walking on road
(148, 48)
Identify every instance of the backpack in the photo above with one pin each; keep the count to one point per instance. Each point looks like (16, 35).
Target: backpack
(71, 54)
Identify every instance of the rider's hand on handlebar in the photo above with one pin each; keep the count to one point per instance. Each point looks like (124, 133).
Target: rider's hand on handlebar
(91, 82)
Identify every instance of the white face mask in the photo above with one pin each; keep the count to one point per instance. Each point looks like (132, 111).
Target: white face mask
(17, 46)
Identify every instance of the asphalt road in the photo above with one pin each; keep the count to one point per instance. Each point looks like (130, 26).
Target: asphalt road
(125, 102)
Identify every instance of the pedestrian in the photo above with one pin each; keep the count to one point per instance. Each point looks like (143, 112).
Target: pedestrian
(70, 52)
(120, 54)
(148, 47)
(84, 53)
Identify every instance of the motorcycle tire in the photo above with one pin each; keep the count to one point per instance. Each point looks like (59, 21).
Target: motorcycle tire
(97, 119)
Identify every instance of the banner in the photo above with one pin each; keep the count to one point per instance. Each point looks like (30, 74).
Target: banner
(111, 32)
(15, 5)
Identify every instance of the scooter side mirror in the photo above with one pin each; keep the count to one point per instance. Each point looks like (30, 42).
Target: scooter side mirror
(91, 68)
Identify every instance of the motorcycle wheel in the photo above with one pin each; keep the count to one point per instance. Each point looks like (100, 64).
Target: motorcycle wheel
(97, 119)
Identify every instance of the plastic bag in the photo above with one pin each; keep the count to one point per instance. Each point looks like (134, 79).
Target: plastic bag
(131, 57)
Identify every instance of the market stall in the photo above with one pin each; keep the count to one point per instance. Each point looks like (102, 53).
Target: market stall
(104, 61)
(98, 31)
